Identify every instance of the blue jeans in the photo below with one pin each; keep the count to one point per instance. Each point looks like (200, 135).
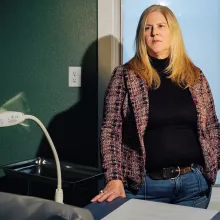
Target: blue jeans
(189, 189)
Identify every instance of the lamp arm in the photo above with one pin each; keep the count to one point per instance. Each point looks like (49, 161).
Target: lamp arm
(59, 191)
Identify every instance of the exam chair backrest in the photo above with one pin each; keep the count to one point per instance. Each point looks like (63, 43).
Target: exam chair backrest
(17, 207)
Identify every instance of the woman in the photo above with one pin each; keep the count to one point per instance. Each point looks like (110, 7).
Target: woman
(160, 134)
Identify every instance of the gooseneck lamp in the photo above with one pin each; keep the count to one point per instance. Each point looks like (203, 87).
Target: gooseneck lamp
(10, 118)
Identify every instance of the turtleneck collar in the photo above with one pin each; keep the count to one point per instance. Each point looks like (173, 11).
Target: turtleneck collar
(159, 64)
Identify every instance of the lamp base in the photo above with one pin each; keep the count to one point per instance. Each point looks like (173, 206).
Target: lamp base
(59, 195)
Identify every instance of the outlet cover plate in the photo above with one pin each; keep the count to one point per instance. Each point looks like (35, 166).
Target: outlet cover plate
(74, 76)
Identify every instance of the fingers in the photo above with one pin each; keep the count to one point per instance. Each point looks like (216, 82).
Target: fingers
(99, 196)
(105, 196)
(123, 195)
(108, 196)
(113, 189)
(112, 197)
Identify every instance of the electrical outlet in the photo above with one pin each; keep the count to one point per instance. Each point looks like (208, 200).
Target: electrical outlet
(74, 76)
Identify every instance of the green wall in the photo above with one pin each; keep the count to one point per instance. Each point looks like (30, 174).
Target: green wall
(39, 40)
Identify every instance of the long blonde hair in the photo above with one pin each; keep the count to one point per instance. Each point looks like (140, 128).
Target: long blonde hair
(182, 70)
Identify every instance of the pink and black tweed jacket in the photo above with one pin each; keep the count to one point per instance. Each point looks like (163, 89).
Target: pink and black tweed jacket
(125, 120)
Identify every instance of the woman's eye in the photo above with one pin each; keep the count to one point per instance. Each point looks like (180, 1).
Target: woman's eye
(147, 28)
(160, 26)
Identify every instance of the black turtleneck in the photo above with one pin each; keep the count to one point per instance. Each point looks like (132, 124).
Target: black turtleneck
(171, 135)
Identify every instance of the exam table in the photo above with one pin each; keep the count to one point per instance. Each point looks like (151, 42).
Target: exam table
(17, 207)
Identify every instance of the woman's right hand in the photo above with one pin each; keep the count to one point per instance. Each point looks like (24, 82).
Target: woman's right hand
(112, 190)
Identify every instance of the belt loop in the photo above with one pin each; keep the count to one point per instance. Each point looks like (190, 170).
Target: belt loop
(193, 166)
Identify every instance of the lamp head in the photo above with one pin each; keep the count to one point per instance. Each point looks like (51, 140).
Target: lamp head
(10, 118)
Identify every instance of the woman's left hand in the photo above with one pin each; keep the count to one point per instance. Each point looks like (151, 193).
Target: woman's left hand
(112, 190)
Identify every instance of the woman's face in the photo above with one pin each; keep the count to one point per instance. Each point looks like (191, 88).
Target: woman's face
(157, 35)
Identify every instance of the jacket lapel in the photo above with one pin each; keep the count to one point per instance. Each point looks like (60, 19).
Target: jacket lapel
(197, 95)
(138, 93)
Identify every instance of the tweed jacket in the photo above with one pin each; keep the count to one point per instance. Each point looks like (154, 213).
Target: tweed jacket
(125, 119)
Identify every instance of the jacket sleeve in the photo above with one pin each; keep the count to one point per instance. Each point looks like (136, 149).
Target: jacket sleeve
(111, 129)
(213, 125)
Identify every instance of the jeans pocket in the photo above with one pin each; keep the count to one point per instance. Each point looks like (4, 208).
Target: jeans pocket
(202, 202)
(204, 196)
(202, 182)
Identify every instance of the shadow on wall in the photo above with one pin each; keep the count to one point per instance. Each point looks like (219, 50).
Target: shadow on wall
(75, 131)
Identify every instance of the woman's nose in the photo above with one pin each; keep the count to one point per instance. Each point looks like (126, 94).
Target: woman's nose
(154, 31)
